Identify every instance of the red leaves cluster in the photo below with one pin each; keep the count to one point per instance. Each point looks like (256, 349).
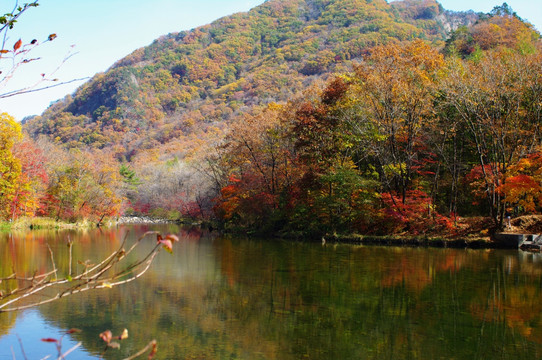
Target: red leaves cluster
(247, 198)
(414, 213)
(335, 91)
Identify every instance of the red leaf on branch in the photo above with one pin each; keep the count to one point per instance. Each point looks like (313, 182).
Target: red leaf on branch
(153, 351)
(166, 244)
(172, 237)
(106, 336)
(17, 45)
(51, 340)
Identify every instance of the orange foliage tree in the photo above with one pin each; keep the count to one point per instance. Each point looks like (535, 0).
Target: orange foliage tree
(32, 185)
(259, 161)
(497, 97)
(523, 187)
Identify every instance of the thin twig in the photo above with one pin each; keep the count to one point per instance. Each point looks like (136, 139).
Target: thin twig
(26, 7)
(133, 277)
(142, 351)
(26, 90)
(110, 256)
(70, 247)
(22, 347)
(52, 260)
(71, 350)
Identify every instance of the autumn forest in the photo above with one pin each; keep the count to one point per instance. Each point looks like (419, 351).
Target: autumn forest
(298, 118)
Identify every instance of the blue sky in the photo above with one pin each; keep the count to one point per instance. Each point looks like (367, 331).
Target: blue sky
(104, 31)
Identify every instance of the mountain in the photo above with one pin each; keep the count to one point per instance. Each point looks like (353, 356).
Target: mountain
(186, 84)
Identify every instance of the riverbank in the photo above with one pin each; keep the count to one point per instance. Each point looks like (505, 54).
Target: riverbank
(48, 223)
(25, 223)
(401, 240)
(43, 223)
(471, 232)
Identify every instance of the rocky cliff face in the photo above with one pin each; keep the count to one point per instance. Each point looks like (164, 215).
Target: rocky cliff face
(452, 20)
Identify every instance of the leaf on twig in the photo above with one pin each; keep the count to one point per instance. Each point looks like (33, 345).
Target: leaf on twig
(107, 285)
(73, 330)
(17, 45)
(50, 340)
(167, 245)
(4, 51)
(51, 37)
(172, 237)
(124, 335)
(106, 336)
(153, 351)
(167, 242)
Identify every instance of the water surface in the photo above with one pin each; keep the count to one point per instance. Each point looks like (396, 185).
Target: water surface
(234, 298)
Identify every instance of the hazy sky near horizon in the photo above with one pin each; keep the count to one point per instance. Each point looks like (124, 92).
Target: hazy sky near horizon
(104, 31)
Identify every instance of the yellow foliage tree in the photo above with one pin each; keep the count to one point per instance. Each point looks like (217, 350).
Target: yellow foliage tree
(10, 167)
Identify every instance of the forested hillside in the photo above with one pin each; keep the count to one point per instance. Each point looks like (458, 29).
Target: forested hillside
(185, 82)
(308, 116)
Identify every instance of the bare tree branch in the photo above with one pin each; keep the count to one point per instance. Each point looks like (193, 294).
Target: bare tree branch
(96, 277)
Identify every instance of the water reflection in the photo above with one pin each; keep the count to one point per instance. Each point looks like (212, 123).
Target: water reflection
(218, 298)
(24, 331)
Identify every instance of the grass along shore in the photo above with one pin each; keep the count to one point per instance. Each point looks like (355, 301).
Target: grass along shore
(24, 223)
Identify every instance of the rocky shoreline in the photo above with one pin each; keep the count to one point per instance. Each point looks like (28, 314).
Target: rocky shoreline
(142, 220)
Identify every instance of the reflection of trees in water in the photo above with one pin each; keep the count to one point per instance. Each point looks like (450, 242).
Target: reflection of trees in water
(252, 299)
(45, 284)
(512, 301)
(7, 321)
(232, 298)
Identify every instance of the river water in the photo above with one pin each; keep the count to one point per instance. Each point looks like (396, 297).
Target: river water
(221, 297)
